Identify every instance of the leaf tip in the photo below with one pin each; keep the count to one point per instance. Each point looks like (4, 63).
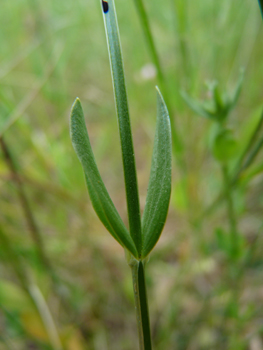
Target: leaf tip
(75, 107)
(159, 94)
(76, 103)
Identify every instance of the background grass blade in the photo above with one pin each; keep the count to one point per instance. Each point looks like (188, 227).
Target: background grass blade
(178, 147)
(128, 159)
(159, 189)
(101, 200)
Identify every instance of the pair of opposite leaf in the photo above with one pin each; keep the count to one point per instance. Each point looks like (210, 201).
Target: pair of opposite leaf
(159, 188)
(143, 234)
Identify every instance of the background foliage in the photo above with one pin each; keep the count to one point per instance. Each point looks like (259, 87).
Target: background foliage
(50, 238)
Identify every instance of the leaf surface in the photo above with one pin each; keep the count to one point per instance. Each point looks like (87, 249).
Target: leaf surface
(159, 189)
(99, 195)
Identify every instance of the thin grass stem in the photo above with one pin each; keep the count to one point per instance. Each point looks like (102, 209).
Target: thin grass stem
(45, 315)
(180, 24)
(25, 205)
(251, 142)
(177, 142)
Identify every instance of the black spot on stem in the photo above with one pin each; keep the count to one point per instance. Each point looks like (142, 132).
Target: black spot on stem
(105, 6)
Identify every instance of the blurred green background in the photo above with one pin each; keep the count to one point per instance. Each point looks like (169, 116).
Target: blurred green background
(64, 281)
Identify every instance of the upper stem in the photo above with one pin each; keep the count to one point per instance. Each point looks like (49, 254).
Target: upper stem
(128, 158)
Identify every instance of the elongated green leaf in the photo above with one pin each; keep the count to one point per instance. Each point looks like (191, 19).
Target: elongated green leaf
(114, 48)
(159, 189)
(100, 198)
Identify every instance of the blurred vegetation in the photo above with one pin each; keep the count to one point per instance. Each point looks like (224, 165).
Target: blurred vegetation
(63, 283)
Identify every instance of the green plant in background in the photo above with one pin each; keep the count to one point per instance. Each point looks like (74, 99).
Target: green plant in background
(143, 233)
(223, 145)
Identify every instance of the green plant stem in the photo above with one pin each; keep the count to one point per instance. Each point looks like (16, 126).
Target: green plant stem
(177, 142)
(230, 211)
(122, 109)
(249, 160)
(141, 304)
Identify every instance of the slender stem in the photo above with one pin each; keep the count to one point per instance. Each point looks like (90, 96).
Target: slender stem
(230, 211)
(121, 101)
(249, 160)
(251, 142)
(45, 315)
(141, 304)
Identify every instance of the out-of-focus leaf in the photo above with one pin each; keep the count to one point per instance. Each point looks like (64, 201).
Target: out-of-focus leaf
(33, 325)
(225, 146)
(100, 198)
(159, 189)
(13, 297)
(114, 48)
(71, 339)
(196, 106)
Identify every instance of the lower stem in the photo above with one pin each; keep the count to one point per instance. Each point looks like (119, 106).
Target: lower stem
(141, 304)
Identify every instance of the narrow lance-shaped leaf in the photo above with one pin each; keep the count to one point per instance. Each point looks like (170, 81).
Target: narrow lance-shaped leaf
(114, 48)
(159, 189)
(100, 198)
